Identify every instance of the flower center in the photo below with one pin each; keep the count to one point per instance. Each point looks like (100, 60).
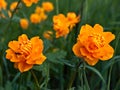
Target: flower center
(26, 48)
(96, 41)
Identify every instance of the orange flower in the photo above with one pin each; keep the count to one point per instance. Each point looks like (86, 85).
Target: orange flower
(72, 19)
(28, 3)
(47, 6)
(41, 13)
(3, 4)
(24, 23)
(35, 18)
(13, 6)
(93, 44)
(25, 53)
(60, 25)
(48, 34)
(39, 10)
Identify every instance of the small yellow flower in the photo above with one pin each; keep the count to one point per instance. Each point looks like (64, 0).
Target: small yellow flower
(93, 44)
(24, 23)
(47, 6)
(3, 4)
(35, 18)
(25, 53)
(13, 6)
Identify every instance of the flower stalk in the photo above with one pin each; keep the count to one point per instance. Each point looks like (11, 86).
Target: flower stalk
(36, 80)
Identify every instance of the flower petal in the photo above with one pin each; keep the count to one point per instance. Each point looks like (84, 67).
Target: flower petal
(76, 50)
(22, 66)
(11, 55)
(23, 38)
(40, 60)
(91, 62)
(14, 45)
(105, 53)
(37, 45)
(98, 28)
(108, 36)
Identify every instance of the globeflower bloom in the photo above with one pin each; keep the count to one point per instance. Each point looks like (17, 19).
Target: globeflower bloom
(72, 19)
(60, 25)
(41, 12)
(25, 53)
(63, 25)
(47, 6)
(35, 18)
(3, 4)
(93, 44)
(28, 3)
(24, 23)
(13, 6)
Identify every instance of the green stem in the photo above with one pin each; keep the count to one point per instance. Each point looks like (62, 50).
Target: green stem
(36, 80)
(73, 76)
(57, 7)
(85, 77)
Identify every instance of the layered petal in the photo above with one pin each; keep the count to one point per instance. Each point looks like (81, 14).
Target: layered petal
(94, 44)
(76, 49)
(22, 66)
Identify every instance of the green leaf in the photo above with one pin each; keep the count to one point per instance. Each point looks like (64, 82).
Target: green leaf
(56, 56)
(96, 71)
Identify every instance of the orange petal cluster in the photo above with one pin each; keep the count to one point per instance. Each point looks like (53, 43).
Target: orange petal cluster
(28, 3)
(40, 13)
(25, 53)
(47, 6)
(13, 6)
(62, 25)
(3, 4)
(24, 23)
(93, 44)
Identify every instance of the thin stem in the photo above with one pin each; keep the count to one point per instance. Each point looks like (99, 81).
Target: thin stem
(81, 77)
(20, 82)
(57, 7)
(47, 76)
(85, 77)
(36, 80)
(73, 75)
